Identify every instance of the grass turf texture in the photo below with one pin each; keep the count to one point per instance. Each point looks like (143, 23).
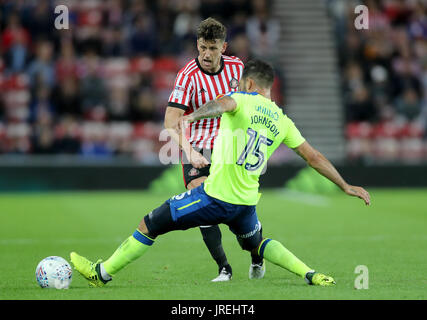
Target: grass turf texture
(332, 234)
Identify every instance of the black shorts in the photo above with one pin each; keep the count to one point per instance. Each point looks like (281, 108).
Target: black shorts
(189, 172)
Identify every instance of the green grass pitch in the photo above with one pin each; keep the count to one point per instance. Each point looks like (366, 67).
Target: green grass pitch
(332, 234)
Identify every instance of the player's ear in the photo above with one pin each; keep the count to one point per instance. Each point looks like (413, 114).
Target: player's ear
(224, 47)
(250, 85)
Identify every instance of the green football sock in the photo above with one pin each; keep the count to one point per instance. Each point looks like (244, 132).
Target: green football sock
(130, 250)
(276, 253)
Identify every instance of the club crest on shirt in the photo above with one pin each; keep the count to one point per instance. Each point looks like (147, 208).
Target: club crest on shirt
(234, 83)
(193, 172)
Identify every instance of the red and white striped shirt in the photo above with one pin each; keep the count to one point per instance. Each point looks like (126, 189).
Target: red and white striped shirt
(194, 87)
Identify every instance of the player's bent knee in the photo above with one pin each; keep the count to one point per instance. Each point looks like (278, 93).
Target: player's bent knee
(159, 221)
(250, 244)
(211, 234)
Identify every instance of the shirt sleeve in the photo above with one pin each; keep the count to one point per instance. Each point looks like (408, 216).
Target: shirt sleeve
(239, 98)
(293, 138)
(181, 93)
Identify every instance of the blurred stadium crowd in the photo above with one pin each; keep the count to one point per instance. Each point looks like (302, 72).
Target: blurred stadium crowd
(384, 79)
(101, 87)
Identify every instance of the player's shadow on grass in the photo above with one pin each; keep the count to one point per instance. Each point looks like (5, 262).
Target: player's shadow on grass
(281, 282)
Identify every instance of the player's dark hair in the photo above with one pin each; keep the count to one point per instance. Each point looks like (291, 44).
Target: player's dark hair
(211, 29)
(260, 71)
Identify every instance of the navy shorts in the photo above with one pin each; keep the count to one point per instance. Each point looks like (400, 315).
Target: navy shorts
(196, 208)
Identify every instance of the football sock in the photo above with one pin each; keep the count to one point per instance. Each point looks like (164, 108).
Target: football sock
(104, 274)
(212, 238)
(130, 250)
(256, 259)
(276, 253)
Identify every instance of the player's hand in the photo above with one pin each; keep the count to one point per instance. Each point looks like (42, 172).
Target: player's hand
(197, 160)
(358, 192)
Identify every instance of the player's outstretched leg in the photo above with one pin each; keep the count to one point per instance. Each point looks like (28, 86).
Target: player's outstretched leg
(99, 273)
(276, 253)
(212, 238)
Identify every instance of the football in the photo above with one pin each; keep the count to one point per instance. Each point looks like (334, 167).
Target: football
(54, 272)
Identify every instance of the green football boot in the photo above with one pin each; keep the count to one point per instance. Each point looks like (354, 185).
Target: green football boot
(88, 269)
(319, 279)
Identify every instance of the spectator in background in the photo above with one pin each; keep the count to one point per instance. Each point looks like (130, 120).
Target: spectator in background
(113, 45)
(263, 31)
(352, 49)
(240, 47)
(408, 104)
(405, 77)
(39, 20)
(42, 118)
(239, 7)
(212, 8)
(113, 35)
(360, 106)
(44, 142)
(67, 140)
(42, 67)
(66, 97)
(93, 89)
(424, 84)
(144, 36)
(377, 50)
(114, 13)
(118, 106)
(41, 105)
(66, 65)
(15, 42)
(418, 23)
(96, 145)
(186, 20)
(237, 25)
(143, 106)
(353, 78)
(65, 68)
(164, 20)
(2, 116)
(380, 83)
(397, 11)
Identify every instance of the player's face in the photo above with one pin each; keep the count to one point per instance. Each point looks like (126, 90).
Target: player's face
(210, 52)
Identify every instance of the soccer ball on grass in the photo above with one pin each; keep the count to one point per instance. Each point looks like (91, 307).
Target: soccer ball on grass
(54, 272)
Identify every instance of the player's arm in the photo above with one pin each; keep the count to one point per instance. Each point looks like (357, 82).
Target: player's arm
(318, 161)
(171, 123)
(172, 117)
(212, 109)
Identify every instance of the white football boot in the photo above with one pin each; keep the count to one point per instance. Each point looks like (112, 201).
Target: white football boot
(224, 275)
(257, 270)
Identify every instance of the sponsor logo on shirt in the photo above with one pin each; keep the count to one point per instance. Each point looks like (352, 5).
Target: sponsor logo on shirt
(178, 92)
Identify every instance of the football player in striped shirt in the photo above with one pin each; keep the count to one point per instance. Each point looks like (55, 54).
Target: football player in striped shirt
(201, 80)
(231, 192)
